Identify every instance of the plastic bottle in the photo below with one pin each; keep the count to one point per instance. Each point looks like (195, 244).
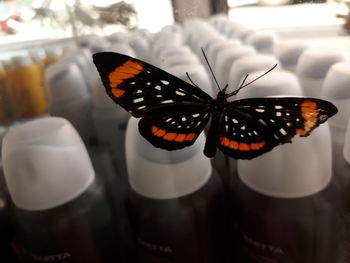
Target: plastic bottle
(177, 206)
(60, 211)
(6, 110)
(283, 207)
(29, 90)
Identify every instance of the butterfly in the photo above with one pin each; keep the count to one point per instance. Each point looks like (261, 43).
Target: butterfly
(173, 112)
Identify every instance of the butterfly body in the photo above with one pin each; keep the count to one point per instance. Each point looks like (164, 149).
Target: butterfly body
(173, 112)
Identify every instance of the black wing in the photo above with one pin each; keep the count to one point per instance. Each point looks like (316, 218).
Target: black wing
(251, 127)
(176, 126)
(140, 87)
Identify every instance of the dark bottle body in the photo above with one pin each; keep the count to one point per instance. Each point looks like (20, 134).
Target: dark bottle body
(285, 230)
(79, 231)
(188, 229)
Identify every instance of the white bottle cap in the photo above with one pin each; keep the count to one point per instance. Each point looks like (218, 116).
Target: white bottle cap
(226, 58)
(274, 83)
(196, 72)
(45, 164)
(38, 54)
(263, 41)
(346, 148)
(161, 174)
(313, 66)
(288, 53)
(292, 170)
(215, 47)
(336, 89)
(249, 64)
(22, 60)
(65, 83)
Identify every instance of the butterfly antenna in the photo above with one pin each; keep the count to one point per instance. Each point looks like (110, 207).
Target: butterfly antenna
(194, 84)
(245, 78)
(206, 59)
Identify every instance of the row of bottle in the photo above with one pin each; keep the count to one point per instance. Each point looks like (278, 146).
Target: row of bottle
(179, 211)
(22, 90)
(177, 207)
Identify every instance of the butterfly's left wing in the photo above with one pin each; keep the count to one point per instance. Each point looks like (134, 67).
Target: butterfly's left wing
(176, 126)
(251, 127)
(139, 87)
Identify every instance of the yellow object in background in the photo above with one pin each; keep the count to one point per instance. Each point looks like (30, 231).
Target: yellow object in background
(5, 100)
(28, 92)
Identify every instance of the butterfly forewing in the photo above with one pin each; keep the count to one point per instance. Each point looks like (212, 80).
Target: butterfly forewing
(174, 127)
(139, 87)
(251, 127)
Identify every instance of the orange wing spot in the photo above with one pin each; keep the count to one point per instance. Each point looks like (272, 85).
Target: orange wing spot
(180, 138)
(233, 145)
(117, 92)
(310, 116)
(254, 146)
(261, 144)
(160, 133)
(170, 136)
(135, 65)
(244, 147)
(117, 75)
(154, 129)
(300, 132)
(225, 141)
(128, 70)
(309, 104)
(115, 83)
(190, 137)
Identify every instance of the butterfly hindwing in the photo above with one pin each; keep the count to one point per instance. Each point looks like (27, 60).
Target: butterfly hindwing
(251, 127)
(139, 87)
(174, 127)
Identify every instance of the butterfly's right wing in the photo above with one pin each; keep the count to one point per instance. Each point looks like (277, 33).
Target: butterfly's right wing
(251, 127)
(140, 87)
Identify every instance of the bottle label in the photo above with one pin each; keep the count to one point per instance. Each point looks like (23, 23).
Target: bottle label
(263, 240)
(157, 249)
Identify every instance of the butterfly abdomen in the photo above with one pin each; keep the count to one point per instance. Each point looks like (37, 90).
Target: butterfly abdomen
(212, 136)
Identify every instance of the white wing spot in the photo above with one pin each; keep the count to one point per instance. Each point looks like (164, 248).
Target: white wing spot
(283, 131)
(278, 107)
(132, 83)
(287, 114)
(180, 93)
(169, 119)
(198, 123)
(234, 121)
(259, 110)
(262, 122)
(195, 115)
(167, 101)
(138, 100)
(226, 128)
(159, 96)
(141, 107)
(158, 87)
(272, 120)
(183, 118)
(148, 83)
(243, 127)
(165, 82)
(278, 114)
